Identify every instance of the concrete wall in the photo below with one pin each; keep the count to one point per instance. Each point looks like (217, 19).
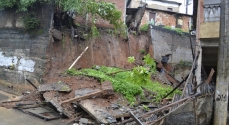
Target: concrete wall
(209, 30)
(169, 42)
(166, 19)
(24, 49)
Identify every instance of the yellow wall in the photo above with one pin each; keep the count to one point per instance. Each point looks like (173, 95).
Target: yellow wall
(209, 30)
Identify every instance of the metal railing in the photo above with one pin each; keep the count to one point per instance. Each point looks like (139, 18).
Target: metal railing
(211, 13)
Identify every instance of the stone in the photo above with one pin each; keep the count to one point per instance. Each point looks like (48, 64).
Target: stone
(83, 120)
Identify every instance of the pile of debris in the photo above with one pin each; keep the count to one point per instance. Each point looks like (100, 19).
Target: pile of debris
(92, 105)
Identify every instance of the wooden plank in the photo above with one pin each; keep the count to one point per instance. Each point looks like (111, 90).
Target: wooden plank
(208, 80)
(136, 119)
(107, 90)
(82, 97)
(97, 112)
(161, 109)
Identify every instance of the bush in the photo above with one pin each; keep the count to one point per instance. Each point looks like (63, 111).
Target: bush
(144, 27)
(31, 22)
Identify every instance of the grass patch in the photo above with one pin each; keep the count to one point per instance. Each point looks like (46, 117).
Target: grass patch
(123, 82)
(179, 31)
(144, 27)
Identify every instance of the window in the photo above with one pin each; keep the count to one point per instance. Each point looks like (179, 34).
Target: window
(152, 17)
(179, 22)
(212, 2)
(170, 9)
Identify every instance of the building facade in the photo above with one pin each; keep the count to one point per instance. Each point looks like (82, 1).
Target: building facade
(163, 13)
(207, 24)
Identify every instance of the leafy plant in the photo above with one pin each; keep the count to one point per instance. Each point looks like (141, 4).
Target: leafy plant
(144, 27)
(142, 51)
(131, 59)
(130, 82)
(167, 27)
(104, 10)
(179, 31)
(145, 107)
(94, 31)
(185, 63)
(20, 5)
(30, 21)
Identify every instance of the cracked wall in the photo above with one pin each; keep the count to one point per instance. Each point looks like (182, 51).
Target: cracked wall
(23, 52)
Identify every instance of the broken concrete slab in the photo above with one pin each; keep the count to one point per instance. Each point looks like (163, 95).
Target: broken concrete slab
(52, 98)
(85, 91)
(107, 90)
(97, 112)
(45, 113)
(59, 86)
(204, 110)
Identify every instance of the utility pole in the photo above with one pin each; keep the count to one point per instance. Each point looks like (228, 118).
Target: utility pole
(186, 6)
(221, 92)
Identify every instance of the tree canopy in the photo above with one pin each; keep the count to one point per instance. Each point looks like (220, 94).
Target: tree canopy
(104, 10)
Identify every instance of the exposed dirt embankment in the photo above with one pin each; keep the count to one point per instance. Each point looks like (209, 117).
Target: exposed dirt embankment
(107, 50)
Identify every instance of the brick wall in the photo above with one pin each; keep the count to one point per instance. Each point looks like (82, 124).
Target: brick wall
(166, 19)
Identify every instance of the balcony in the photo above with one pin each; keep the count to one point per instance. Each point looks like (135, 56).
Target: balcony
(210, 27)
(211, 13)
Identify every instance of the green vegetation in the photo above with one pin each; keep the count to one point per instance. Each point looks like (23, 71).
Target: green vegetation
(144, 27)
(142, 51)
(95, 9)
(20, 5)
(145, 107)
(128, 82)
(178, 30)
(185, 63)
(30, 21)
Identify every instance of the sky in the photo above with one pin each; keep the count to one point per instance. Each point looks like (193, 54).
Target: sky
(183, 6)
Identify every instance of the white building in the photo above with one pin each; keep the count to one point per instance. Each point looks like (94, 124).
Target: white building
(179, 6)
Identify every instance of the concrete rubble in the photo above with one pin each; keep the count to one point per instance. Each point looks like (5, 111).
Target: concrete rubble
(94, 105)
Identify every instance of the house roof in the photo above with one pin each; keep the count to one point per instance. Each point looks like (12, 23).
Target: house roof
(170, 12)
(167, 1)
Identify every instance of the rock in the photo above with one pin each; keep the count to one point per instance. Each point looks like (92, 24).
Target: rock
(83, 120)
(204, 110)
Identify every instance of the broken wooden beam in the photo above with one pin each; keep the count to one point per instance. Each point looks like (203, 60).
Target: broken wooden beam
(78, 58)
(107, 90)
(192, 69)
(208, 80)
(160, 109)
(31, 83)
(136, 119)
(97, 93)
(176, 87)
